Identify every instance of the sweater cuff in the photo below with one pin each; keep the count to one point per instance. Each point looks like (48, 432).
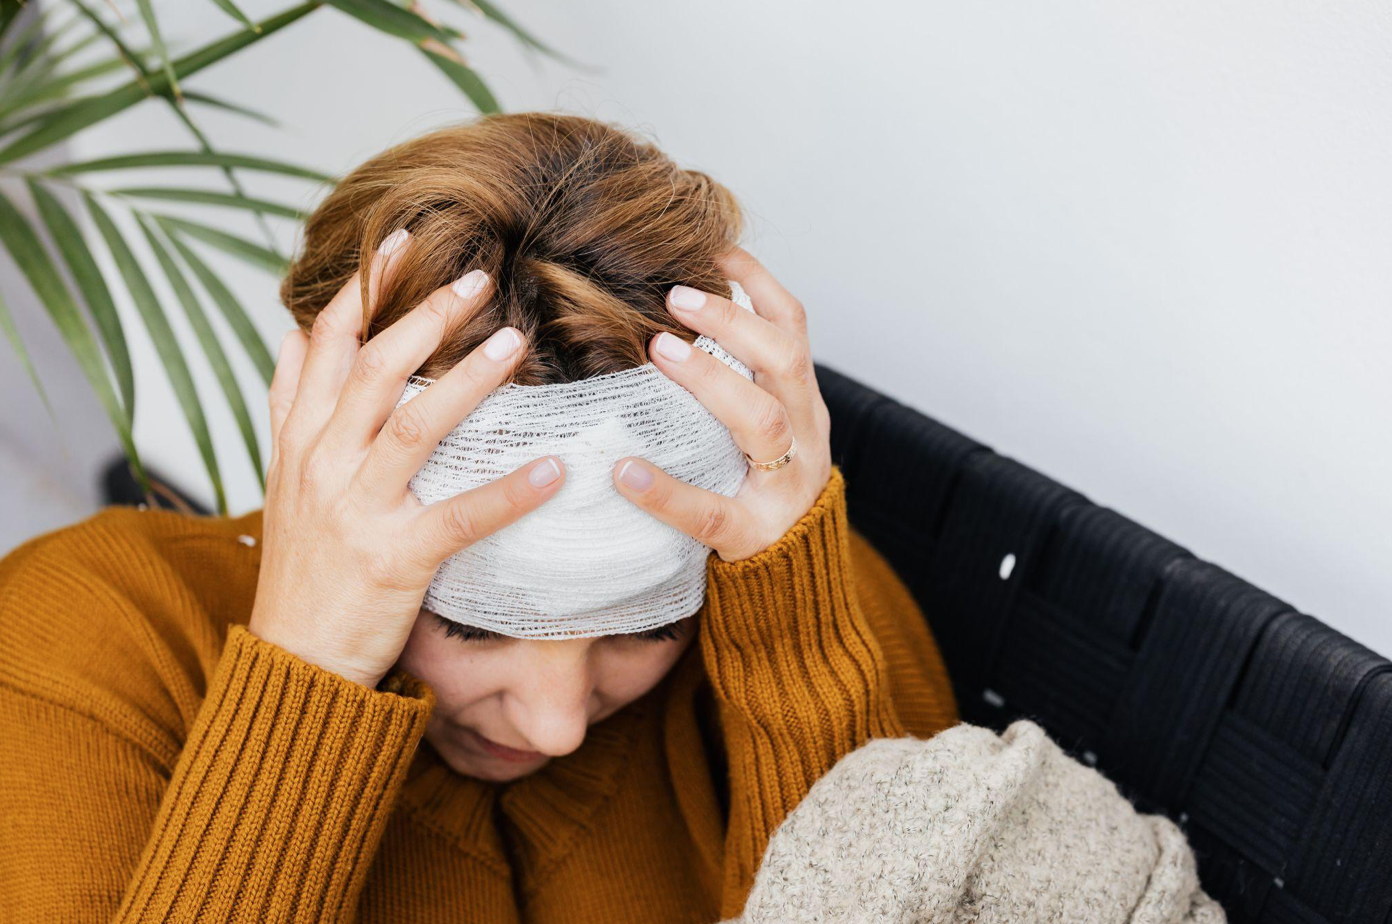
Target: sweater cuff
(283, 788)
(784, 637)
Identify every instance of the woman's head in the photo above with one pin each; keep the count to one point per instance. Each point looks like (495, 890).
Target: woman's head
(583, 229)
(581, 226)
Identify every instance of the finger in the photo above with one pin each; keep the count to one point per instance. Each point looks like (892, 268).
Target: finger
(414, 429)
(711, 519)
(770, 299)
(756, 419)
(333, 340)
(458, 522)
(385, 362)
(285, 382)
(781, 361)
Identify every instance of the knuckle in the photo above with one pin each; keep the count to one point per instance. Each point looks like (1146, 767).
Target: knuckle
(438, 311)
(408, 425)
(279, 400)
(381, 570)
(712, 525)
(797, 312)
(474, 375)
(794, 363)
(311, 476)
(729, 314)
(660, 495)
(325, 327)
(288, 440)
(370, 364)
(516, 495)
(460, 523)
(772, 421)
(707, 369)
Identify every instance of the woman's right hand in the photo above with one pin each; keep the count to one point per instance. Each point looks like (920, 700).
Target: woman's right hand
(347, 549)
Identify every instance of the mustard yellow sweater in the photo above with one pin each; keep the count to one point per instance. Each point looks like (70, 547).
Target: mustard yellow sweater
(160, 763)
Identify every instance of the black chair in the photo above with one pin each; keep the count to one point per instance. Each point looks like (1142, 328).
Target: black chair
(1262, 732)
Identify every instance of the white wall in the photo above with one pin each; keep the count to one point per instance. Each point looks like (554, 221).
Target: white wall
(1145, 248)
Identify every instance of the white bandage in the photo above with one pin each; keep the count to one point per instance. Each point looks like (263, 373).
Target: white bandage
(587, 562)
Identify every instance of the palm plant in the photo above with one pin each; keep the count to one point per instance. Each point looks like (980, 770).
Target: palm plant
(59, 78)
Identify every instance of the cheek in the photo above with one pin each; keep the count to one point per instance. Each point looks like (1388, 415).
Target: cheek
(458, 676)
(629, 672)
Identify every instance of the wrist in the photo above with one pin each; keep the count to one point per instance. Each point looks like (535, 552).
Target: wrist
(792, 515)
(824, 515)
(311, 651)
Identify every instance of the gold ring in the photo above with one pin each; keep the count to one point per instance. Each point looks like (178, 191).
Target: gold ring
(776, 463)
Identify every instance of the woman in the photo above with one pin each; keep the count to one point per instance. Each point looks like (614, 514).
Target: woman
(258, 719)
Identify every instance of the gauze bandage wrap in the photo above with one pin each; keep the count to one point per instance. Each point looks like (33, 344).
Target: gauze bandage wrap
(587, 562)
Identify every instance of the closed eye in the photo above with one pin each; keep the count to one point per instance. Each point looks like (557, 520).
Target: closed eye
(464, 633)
(667, 633)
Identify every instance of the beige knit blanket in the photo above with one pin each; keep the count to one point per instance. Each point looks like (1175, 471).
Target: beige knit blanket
(971, 826)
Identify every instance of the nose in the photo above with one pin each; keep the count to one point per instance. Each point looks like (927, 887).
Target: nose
(550, 706)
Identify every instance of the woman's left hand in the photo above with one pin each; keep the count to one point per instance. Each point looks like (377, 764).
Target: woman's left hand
(765, 416)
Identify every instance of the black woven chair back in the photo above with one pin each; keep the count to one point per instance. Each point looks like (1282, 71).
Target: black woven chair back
(1265, 734)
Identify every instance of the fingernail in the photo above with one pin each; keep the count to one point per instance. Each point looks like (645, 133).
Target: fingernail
(672, 347)
(393, 241)
(635, 476)
(544, 474)
(470, 284)
(687, 298)
(502, 344)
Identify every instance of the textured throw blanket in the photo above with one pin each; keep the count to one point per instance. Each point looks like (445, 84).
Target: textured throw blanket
(971, 826)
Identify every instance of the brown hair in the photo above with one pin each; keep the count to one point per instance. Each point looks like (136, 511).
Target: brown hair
(582, 227)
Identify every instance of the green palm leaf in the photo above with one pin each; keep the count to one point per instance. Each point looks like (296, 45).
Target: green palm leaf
(42, 79)
(240, 247)
(232, 310)
(64, 232)
(38, 268)
(190, 159)
(8, 13)
(40, 59)
(231, 9)
(56, 87)
(492, 12)
(134, 59)
(207, 99)
(392, 19)
(20, 49)
(81, 113)
(157, 324)
(147, 12)
(208, 339)
(209, 197)
(465, 78)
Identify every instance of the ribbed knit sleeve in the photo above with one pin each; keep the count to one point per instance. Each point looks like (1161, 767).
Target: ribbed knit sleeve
(160, 764)
(280, 795)
(798, 675)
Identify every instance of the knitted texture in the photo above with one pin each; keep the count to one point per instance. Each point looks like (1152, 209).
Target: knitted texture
(163, 764)
(587, 562)
(974, 827)
(833, 692)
